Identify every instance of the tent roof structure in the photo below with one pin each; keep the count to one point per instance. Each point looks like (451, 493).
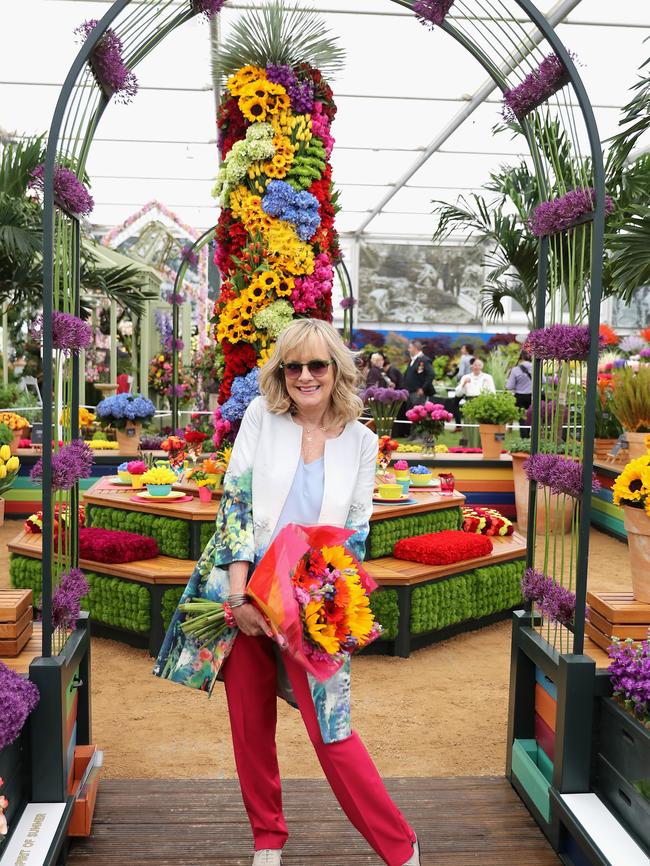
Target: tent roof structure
(403, 90)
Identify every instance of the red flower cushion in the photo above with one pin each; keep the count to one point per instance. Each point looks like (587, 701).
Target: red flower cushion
(442, 548)
(115, 545)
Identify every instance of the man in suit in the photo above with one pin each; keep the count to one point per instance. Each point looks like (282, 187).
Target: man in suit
(418, 377)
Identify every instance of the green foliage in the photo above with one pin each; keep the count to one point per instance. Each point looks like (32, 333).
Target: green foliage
(631, 398)
(491, 409)
(171, 534)
(473, 595)
(384, 534)
(498, 364)
(607, 424)
(440, 366)
(278, 34)
(112, 601)
(383, 603)
(170, 601)
(6, 435)
(643, 787)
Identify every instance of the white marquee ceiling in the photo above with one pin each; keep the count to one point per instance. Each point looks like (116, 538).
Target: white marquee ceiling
(401, 87)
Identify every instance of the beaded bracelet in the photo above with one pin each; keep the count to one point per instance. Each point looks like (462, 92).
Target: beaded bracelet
(231, 622)
(236, 599)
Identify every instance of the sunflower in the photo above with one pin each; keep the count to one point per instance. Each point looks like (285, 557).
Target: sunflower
(360, 616)
(338, 558)
(277, 168)
(319, 630)
(242, 78)
(278, 102)
(254, 108)
(633, 484)
(285, 287)
(257, 290)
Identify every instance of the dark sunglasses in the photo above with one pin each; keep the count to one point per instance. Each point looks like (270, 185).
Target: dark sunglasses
(293, 369)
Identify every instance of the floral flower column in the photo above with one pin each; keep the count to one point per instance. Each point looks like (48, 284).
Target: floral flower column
(276, 241)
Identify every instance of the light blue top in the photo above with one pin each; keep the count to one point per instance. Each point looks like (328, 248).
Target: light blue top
(305, 498)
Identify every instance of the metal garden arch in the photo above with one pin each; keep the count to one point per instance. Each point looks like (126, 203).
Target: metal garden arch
(504, 36)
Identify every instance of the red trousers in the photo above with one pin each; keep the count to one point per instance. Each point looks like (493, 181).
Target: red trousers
(250, 680)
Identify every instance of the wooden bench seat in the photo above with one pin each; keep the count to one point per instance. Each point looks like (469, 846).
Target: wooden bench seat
(599, 828)
(388, 571)
(160, 571)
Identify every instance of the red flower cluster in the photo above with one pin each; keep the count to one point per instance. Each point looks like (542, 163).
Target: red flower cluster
(442, 548)
(231, 237)
(231, 124)
(486, 521)
(115, 545)
(240, 360)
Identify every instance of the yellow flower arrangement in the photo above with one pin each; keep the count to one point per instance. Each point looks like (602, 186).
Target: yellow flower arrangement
(9, 466)
(159, 475)
(86, 417)
(632, 486)
(13, 421)
(261, 99)
(412, 448)
(102, 444)
(243, 77)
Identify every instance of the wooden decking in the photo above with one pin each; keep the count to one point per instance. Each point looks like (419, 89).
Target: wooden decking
(460, 822)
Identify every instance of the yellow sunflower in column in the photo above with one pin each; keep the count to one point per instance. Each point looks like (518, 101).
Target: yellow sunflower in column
(243, 77)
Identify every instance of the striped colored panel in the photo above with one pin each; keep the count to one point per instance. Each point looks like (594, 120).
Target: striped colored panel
(481, 485)
(545, 706)
(532, 774)
(545, 736)
(24, 497)
(547, 684)
(475, 471)
(606, 515)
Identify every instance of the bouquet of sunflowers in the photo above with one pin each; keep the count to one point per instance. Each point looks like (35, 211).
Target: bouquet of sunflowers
(632, 486)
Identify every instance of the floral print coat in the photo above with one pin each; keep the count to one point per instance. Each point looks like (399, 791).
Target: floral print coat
(262, 466)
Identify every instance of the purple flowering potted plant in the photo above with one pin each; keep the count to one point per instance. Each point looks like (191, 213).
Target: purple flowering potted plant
(126, 413)
(383, 404)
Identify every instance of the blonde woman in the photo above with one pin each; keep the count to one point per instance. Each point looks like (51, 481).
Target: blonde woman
(301, 456)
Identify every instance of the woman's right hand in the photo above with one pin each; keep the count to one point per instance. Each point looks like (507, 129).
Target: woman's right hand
(251, 621)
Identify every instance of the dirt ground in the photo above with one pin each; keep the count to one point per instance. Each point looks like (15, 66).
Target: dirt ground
(441, 712)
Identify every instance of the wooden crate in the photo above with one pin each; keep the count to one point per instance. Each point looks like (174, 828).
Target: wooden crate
(14, 603)
(14, 629)
(12, 647)
(619, 608)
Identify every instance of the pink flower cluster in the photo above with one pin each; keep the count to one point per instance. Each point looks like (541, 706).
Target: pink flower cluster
(310, 290)
(320, 127)
(429, 412)
(221, 428)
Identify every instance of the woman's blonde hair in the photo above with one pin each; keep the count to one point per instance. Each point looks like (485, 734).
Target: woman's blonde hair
(346, 405)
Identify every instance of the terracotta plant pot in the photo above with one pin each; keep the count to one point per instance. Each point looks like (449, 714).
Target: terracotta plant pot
(636, 444)
(128, 438)
(19, 434)
(637, 526)
(492, 439)
(561, 509)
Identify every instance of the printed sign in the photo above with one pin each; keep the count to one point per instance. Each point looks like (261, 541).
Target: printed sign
(499, 437)
(37, 433)
(33, 835)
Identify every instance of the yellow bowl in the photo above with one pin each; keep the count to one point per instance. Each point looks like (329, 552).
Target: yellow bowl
(390, 491)
(402, 474)
(420, 479)
(125, 476)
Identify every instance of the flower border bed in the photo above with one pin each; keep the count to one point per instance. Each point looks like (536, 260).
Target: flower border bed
(384, 534)
(171, 533)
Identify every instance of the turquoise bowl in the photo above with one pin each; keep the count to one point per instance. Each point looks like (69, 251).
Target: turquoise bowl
(159, 489)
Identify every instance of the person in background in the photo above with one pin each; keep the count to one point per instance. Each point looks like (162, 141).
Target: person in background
(466, 355)
(376, 377)
(476, 381)
(520, 382)
(418, 377)
(394, 374)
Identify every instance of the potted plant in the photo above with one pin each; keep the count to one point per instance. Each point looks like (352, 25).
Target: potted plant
(492, 412)
(608, 428)
(631, 490)
(159, 481)
(384, 405)
(9, 466)
(428, 420)
(631, 405)
(126, 413)
(18, 425)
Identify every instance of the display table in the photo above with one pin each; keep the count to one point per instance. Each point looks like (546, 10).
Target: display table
(417, 604)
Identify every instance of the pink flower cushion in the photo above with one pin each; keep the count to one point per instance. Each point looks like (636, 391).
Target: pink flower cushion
(442, 548)
(115, 545)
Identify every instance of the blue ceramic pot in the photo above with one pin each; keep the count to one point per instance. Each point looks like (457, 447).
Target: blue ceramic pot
(159, 489)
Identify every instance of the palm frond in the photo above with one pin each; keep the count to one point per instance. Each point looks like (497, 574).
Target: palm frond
(125, 285)
(282, 35)
(19, 159)
(630, 261)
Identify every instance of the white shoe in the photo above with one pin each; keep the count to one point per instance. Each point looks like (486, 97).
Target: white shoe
(270, 857)
(414, 859)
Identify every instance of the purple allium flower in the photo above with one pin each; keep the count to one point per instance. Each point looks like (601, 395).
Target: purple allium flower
(67, 597)
(556, 602)
(537, 86)
(18, 697)
(207, 7)
(301, 94)
(547, 410)
(348, 303)
(178, 298)
(645, 353)
(69, 464)
(150, 443)
(384, 395)
(107, 62)
(431, 12)
(559, 214)
(559, 342)
(561, 475)
(189, 255)
(69, 333)
(69, 192)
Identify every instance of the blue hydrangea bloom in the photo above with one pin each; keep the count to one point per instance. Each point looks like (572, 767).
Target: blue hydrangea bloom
(244, 390)
(299, 208)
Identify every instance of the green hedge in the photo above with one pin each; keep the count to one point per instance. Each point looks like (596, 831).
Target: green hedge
(171, 534)
(110, 600)
(207, 531)
(170, 601)
(384, 534)
(468, 596)
(383, 603)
